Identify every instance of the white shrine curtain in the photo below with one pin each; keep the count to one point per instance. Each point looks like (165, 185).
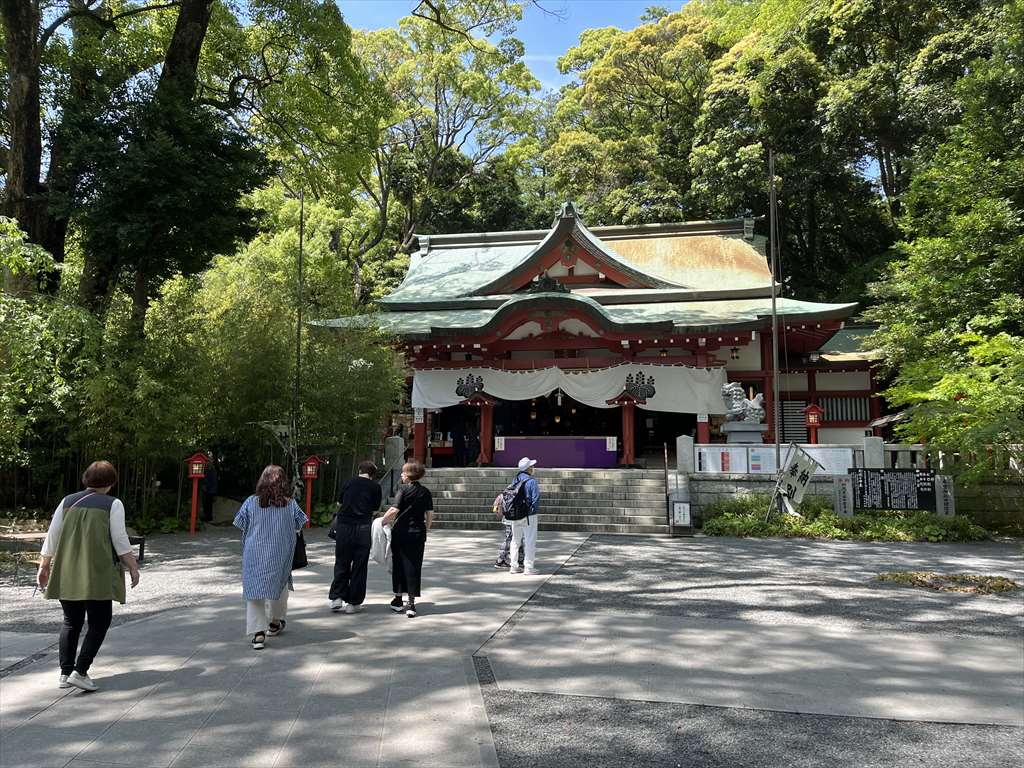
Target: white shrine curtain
(676, 388)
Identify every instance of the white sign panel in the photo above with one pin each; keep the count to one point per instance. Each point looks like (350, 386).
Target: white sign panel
(723, 459)
(611, 444)
(499, 443)
(418, 418)
(832, 461)
(681, 514)
(761, 460)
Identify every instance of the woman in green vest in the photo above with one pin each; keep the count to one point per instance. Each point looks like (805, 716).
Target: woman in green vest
(84, 557)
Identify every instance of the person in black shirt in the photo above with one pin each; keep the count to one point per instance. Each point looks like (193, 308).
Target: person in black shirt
(360, 499)
(412, 514)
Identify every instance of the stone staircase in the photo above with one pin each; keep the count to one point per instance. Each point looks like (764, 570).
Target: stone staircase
(582, 500)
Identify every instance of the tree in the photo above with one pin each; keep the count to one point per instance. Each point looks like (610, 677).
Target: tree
(951, 307)
(453, 94)
(40, 58)
(626, 130)
(891, 64)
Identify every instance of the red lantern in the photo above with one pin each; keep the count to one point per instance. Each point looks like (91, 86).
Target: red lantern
(813, 414)
(196, 470)
(310, 471)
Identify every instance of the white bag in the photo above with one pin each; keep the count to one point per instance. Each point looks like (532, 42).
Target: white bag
(380, 543)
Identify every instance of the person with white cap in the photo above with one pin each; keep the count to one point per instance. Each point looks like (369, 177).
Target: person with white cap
(522, 510)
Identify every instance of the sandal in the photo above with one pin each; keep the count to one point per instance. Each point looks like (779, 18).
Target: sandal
(276, 627)
(258, 641)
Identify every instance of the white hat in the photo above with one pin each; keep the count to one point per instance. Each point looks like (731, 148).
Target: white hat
(525, 463)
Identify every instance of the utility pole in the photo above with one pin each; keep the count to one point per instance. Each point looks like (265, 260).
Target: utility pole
(298, 346)
(774, 243)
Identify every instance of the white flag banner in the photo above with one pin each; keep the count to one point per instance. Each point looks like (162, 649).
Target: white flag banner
(672, 388)
(796, 474)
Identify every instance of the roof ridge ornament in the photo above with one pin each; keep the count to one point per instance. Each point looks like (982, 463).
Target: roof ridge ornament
(567, 211)
(545, 283)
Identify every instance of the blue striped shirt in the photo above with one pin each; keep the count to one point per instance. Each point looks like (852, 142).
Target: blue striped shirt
(268, 542)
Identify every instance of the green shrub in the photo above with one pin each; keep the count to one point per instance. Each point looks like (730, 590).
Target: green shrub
(745, 516)
(322, 514)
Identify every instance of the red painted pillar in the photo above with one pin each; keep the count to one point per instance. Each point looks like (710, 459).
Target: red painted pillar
(703, 432)
(768, 389)
(486, 434)
(195, 505)
(769, 409)
(628, 437)
(874, 403)
(419, 440)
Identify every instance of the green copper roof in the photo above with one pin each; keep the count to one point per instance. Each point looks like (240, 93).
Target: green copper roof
(848, 340)
(685, 316)
(449, 273)
(690, 255)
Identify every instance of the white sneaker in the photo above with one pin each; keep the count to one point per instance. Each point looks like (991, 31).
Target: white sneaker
(515, 569)
(63, 682)
(350, 609)
(81, 681)
(530, 571)
(337, 605)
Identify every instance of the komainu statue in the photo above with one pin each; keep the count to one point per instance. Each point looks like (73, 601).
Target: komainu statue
(739, 408)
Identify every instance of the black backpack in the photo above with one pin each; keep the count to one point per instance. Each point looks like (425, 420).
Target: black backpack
(514, 503)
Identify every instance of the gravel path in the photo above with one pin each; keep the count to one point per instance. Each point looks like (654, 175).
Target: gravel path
(538, 731)
(180, 571)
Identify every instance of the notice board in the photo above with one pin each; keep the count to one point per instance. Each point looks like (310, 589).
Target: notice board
(894, 489)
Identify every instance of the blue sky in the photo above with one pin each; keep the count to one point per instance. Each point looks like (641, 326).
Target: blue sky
(545, 36)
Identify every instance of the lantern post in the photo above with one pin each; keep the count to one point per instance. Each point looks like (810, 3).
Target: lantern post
(812, 420)
(197, 471)
(310, 470)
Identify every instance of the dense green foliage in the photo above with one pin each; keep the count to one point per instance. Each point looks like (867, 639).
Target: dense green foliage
(951, 306)
(747, 515)
(152, 183)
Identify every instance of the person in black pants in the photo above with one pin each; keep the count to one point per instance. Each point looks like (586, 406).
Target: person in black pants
(360, 499)
(209, 491)
(412, 514)
(83, 560)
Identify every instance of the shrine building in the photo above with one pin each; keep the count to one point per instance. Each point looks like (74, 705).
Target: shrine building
(586, 347)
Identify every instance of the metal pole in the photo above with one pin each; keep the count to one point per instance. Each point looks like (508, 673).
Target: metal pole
(298, 343)
(774, 241)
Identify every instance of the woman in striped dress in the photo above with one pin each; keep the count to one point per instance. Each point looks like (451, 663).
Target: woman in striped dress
(270, 521)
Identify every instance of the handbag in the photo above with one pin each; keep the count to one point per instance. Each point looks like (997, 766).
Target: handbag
(299, 559)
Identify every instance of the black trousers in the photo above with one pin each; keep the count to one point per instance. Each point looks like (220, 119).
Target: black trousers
(407, 562)
(75, 611)
(207, 507)
(351, 554)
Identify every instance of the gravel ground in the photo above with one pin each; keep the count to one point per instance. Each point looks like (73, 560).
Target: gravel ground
(789, 581)
(180, 571)
(764, 581)
(538, 731)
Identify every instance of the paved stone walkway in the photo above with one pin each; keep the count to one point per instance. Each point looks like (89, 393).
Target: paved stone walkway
(638, 651)
(375, 689)
(798, 668)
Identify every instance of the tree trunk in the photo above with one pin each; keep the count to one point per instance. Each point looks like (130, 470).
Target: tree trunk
(24, 159)
(140, 303)
(178, 76)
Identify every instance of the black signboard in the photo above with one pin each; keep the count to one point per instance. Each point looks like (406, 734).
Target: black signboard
(894, 489)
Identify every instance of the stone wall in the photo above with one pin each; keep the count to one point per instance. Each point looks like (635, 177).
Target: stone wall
(706, 489)
(996, 506)
(992, 506)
